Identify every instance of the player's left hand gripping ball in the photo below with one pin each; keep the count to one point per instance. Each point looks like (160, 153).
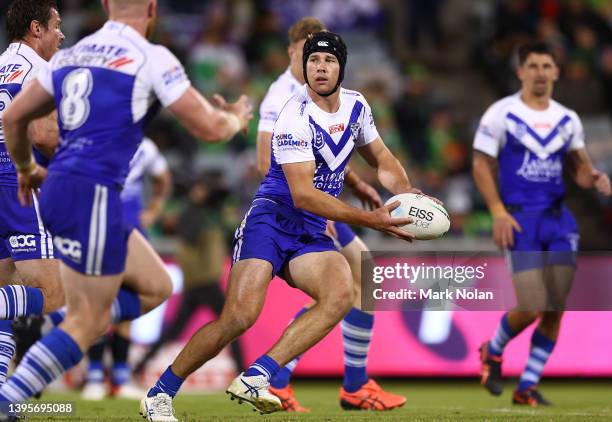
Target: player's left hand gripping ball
(429, 218)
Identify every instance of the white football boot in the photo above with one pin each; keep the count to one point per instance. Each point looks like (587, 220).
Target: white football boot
(254, 390)
(158, 408)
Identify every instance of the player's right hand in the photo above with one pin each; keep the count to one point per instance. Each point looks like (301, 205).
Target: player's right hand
(243, 109)
(503, 226)
(29, 181)
(381, 220)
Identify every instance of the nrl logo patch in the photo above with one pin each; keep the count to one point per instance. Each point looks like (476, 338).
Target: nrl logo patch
(564, 133)
(354, 130)
(319, 141)
(521, 130)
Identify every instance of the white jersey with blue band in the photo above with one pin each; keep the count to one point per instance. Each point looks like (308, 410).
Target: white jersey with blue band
(147, 161)
(19, 64)
(530, 146)
(105, 88)
(281, 90)
(304, 132)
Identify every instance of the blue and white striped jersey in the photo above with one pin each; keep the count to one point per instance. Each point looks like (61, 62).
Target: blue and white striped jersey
(530, 146)
(105, 88)
(19, 64)
(303, 132)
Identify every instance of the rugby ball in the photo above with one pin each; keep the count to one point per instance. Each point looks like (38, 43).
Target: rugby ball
(430, 219)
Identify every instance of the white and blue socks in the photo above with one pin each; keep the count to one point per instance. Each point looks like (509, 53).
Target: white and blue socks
(283, 376)
(7, 348)
(356, 336)
(501, 338)
(46, 360)
(168, 383)
(17, 301)
(265, 366)
(126, 306)
(541, 348)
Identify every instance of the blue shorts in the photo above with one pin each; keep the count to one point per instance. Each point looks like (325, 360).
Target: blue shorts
(345, 234)
(86, 220)
(131, 215)
(548, 237)
(274, 232)
(23, 235)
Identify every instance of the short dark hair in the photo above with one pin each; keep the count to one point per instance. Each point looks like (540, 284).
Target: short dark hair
(21, 13)
(536, 47)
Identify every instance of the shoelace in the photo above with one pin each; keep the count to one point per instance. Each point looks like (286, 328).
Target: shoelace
(163, 405)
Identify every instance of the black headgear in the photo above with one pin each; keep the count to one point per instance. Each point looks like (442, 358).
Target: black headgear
(325, 42)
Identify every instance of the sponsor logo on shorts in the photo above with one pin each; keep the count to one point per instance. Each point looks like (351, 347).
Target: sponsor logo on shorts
(69, 248)
(23, 243)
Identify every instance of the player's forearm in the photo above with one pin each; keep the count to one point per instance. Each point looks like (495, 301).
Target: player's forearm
(16, 139)
(264, 140)
(162, 187)
(482, 172)
(325, 205)
(44, 134)
(393, 177)
(225, 125)
(351, 179)
(581, 168)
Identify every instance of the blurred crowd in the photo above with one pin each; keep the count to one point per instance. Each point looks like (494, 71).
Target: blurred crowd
(239, 46)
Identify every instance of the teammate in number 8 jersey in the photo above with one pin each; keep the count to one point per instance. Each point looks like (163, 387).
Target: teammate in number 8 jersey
(530, 137)
(104, 89)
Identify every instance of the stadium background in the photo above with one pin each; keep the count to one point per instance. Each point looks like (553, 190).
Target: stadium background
(429, 69)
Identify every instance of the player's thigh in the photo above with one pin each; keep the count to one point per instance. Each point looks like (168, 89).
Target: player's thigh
(8, 272)
(145, 272)
(246, 291)
(43, 274)
(530, 290)
(322, 275)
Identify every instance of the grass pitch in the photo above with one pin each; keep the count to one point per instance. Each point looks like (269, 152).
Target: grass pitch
(427, 401)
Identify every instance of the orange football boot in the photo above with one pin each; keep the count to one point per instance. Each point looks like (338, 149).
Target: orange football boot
(370, 397)
(288, 400)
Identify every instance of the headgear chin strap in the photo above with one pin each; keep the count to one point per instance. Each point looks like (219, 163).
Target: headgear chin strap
(325, 42)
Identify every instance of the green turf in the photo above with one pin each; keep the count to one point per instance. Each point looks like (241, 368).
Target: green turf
(427, 401)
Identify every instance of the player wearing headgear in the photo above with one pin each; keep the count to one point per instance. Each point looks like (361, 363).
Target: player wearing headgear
(358, 391)
(27, 269)
(103, 89)
(283, 232)
(531, 138)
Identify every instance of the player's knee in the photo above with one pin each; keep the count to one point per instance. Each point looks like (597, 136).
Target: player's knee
(87, 321)
(239, 321)
(163, 288)
(53, 298)
(339, 300)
